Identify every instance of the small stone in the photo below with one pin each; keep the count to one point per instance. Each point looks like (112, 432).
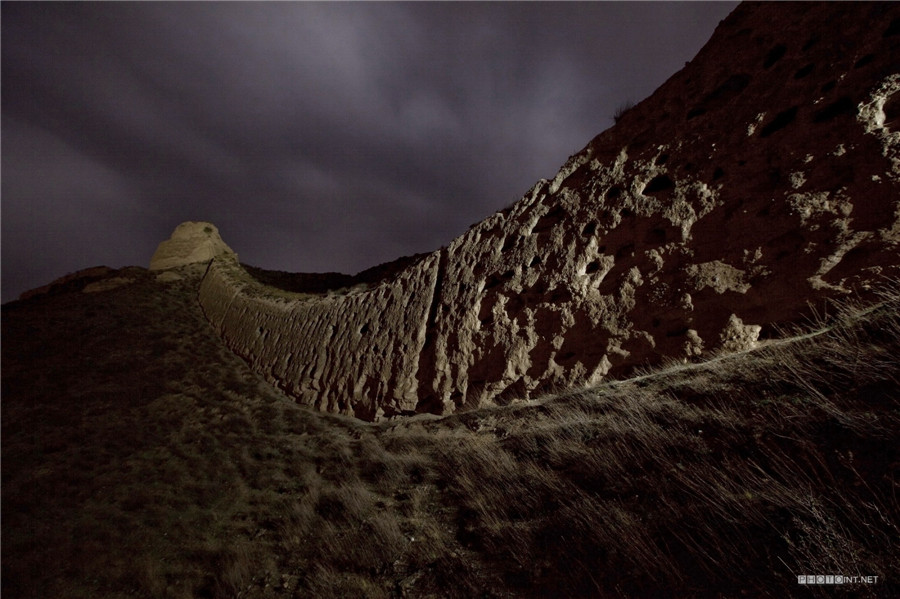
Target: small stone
(737, 336)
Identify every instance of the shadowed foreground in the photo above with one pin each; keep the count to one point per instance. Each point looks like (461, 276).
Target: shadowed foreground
(141, 458)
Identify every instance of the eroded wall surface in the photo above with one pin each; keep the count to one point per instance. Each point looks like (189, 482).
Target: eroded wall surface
(763, 177)
(354, 352)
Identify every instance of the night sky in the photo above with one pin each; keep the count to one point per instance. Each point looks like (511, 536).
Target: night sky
(316, 136)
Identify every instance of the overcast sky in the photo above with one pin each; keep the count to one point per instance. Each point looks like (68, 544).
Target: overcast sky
(316, 136)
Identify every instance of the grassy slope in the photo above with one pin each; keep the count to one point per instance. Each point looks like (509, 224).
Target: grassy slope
(141, 458)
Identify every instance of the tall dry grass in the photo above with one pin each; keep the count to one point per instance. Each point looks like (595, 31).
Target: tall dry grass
(142, 459)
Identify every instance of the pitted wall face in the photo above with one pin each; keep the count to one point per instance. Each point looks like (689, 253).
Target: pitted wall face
(761, 178)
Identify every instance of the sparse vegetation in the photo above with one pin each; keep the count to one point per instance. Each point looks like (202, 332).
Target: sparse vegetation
(142, 459)
(621, 109)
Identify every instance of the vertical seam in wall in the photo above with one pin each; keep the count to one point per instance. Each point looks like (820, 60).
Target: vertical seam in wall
(200, 291)
(220, 326)
(206, 272)
(436, 292)
(427, 353)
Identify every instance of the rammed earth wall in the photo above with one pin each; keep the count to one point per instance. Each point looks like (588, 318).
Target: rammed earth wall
(763, 176)
(352, 353)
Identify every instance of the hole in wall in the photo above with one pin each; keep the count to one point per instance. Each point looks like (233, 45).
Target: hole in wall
(564, 358)
(843, 106)
(677, 332)
(589, 229)
(547, 221)
(781, 120)
(492, 281)
(804, 71)
(657, 184)
(486, 311)
(774, 55)
(892, 112)
(695, 112)
(730, 87)
(613, 192)
(560, 295)
(662, 159)
(867, 59)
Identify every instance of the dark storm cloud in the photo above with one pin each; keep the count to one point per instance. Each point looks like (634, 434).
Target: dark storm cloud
(317, 136)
